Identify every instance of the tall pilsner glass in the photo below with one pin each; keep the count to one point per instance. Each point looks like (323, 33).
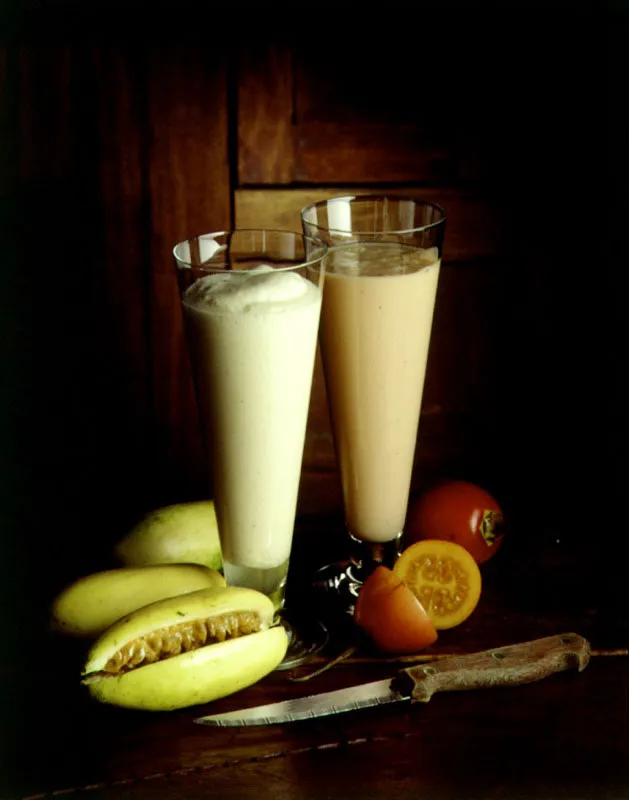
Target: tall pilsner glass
(381, 282)
(251, 309)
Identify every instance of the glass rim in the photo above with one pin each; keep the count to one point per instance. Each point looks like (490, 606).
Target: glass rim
(321, 248)
(363, 198)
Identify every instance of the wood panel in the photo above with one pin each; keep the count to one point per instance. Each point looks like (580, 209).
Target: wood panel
(431, 103)
(265, 114)
(75, 280)
(120, 120)
(55, 241)
(114, 153)
(189, 191)
(475, 227)
(366, 153)
(345, 117)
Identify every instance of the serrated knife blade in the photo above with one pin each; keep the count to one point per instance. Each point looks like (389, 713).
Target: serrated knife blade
(505, 666)
(316, 705)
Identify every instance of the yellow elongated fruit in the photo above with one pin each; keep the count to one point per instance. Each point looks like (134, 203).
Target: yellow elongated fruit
(91, 604)
(183, 533)
(186, 650)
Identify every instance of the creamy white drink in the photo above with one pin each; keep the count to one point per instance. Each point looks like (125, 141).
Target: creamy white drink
(252, 337)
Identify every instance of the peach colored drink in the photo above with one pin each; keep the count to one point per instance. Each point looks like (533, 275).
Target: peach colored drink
(378, 304)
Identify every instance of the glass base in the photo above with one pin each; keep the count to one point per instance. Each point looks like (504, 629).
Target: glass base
(270, 582)
(306, 637)
(338, 584)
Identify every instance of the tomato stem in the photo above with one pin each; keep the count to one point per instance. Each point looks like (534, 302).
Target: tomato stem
(490, 526)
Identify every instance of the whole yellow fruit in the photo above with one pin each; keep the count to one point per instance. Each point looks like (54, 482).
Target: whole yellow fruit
(185, 533)
(91, 604)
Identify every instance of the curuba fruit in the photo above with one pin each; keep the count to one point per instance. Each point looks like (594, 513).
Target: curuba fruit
(461, 512)
(391, 614)
(186, 650)
(183, 533)
(93, 603)
(444, 577)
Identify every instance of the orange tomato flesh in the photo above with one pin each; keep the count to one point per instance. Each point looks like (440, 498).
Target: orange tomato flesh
(444, 577)
(391, 614)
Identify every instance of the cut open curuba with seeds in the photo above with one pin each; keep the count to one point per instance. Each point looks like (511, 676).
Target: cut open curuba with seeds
(186, 650)
(176, 639)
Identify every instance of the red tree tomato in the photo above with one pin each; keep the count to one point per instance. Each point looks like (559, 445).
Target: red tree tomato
(460, 512)
(388, 611)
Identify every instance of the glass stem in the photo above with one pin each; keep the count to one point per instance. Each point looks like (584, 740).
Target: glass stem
(366, 556)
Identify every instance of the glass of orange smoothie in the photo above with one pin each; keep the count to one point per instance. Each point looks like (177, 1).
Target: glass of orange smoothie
(379, 296)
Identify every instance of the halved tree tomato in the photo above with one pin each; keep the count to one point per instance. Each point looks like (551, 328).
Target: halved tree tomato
(445, 579)
(391, 615)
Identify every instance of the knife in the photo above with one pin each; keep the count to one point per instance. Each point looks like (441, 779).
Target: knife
(505, 666)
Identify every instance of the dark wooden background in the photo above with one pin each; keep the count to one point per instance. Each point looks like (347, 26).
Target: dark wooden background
(118, 143)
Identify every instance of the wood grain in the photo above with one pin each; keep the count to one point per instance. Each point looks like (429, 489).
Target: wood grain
(189, 194)
(347, 118)
(265, 114)
(78, 404)
(114, 153)
(512, 665)
(376, 152)
(120, 119)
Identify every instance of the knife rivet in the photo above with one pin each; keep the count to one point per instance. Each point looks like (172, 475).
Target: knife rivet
(498, 655)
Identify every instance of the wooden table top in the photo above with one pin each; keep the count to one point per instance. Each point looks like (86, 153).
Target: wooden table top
(563, 737)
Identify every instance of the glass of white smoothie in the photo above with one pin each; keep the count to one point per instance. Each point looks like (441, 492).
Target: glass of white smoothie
(251, 301)
(381, 282)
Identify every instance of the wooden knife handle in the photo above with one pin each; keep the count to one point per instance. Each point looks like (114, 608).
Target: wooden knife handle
(501, 666)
